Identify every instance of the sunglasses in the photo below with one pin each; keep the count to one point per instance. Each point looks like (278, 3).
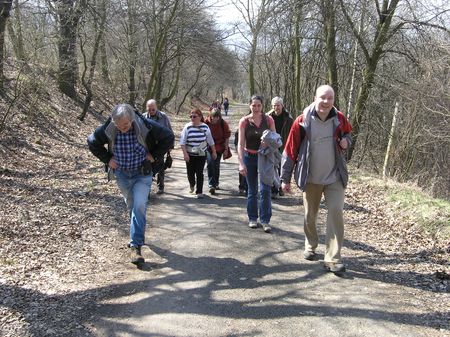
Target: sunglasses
(193, 116)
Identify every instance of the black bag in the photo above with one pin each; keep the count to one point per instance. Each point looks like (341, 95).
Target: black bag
(146, 167)
(168, 161)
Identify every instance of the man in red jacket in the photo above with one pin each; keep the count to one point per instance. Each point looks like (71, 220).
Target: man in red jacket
(315, 150)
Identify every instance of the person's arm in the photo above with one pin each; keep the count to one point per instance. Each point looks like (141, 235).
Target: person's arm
(210, 141)
(227, 135)
(290, 154)
(183, 138)
(241, 146)
(346, 138)
(97, 141)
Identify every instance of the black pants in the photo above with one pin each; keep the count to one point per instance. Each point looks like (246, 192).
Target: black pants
(160, 179)
(194, 168)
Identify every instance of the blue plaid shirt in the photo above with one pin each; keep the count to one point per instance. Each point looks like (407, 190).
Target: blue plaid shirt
(128, 152)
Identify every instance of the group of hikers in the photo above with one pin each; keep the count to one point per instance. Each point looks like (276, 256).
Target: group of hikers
(270, 147)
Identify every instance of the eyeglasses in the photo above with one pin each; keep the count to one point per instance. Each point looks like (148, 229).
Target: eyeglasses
(193, 116)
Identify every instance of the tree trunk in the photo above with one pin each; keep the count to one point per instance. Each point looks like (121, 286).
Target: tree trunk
(87, 83)
(328, 9)
(390, 141)
(160, 46)
(132, 52)
(5, 8)
(251, 66)
(297, 106)
(69, 13)
(381, 37)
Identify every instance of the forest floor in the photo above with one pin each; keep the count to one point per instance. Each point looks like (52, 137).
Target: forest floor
(64, 267)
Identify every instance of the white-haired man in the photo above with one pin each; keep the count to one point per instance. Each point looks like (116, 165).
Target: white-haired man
(283, 123)
(133, 143)
(160, 117)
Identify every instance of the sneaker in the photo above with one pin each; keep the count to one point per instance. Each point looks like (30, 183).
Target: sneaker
(310, 255)
(253, 224)
(281, 192)
(217, 187)
(212, 190)
(136, 256)
(200, 195)
(160, 191)
(242, 192)
(336, 268)
(266, 228)
(191, 189)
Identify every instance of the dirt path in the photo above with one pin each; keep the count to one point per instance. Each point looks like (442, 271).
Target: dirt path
(208, 274)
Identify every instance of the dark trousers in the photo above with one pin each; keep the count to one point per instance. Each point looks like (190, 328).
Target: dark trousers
(213, 167)
(242, 183)
(194, 168)
(160, 179)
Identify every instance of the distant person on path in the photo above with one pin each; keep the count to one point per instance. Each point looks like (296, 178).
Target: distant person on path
(133, 144)
(226, 104)
(251, 128)
(283, 122)
(160, 117)
(194, 141)
(315, 148)
(221, 134)
(215, 105)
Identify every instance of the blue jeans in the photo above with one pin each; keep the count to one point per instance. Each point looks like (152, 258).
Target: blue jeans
(253, 198)
(135, 188)
(213, 167)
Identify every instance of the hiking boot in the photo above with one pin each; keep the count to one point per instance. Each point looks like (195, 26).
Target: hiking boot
(212, 190)
(200, 195)
(136, 256)
(253, 224)
(310, 256)
(266, 228)
(337, 268)
(160, 191)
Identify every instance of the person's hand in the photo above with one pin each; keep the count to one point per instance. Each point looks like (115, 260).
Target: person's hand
(214, 155)
(243, 170)
(186, 157)
(263, 145)
(150, 158)
(286, 187)
(343, 143)
(113, 163)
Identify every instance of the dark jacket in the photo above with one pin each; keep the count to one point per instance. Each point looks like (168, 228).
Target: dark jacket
(287, 124)
(156, 139)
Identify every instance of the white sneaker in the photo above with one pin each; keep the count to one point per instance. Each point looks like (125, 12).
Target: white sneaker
(200, 196)
(252, 224)
(266, 228)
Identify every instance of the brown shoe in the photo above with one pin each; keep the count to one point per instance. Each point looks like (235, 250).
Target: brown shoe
(136, 256)
(337, 268)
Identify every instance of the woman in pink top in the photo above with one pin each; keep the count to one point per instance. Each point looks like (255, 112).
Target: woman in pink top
(251, 128)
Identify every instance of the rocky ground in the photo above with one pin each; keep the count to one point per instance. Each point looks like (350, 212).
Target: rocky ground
(63, 229)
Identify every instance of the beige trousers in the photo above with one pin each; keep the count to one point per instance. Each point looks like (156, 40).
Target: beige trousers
(334, 200)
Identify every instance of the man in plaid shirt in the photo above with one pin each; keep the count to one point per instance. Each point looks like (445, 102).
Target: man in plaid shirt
(133, 143)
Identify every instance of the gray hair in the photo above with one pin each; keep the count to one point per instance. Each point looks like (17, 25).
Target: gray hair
(122, 110)
(276, 100)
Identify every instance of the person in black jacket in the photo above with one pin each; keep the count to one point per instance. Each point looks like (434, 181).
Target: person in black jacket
(135, 146)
